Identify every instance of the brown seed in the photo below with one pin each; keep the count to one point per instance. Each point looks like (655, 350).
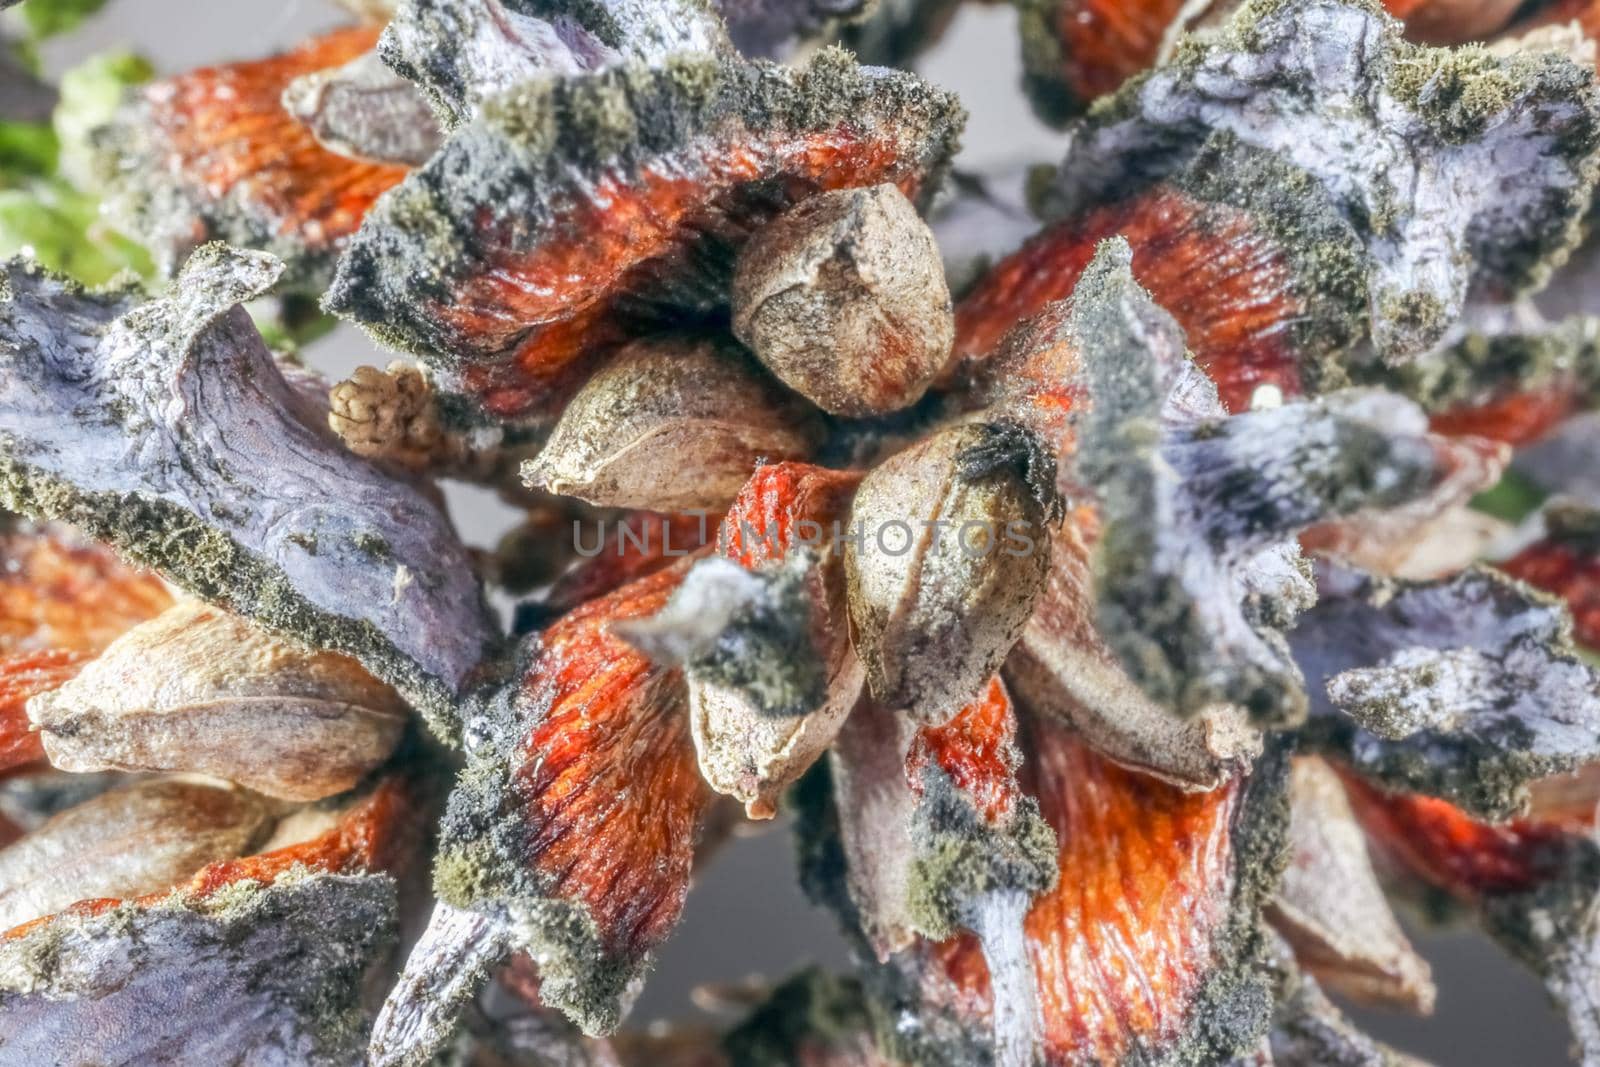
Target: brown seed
(844, 298)
(143, 838)
(947, 552)
(670, 425)
(197, 689)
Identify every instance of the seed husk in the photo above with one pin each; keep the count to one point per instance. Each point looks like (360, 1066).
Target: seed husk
(199, 690)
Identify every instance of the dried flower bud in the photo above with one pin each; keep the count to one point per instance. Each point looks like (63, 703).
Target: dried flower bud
(844, 298)
(387, 415)
(947, 552)
(139, 839)
(547, 230)
(670, 426)
(199, 690)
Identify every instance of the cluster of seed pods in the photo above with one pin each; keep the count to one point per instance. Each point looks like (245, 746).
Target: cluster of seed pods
(1124, 601)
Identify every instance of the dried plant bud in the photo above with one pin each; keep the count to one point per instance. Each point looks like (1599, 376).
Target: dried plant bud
(1145, 949)
(1465, 688)
(196, 689)
(62, 601)
(843, 297)
(140, 839)
(763, 635)
(282, 966)
(595, 244)
(366, 111)
(1247, 253)
(1465, 172)
(1330, 907)
(948, 552)
(670, 426)
(213, 154)
(570, 835)
(464, 52)
(230, 494)
(387, 415)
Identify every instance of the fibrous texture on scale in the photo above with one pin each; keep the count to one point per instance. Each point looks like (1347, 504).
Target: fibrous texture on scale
(1124, 577)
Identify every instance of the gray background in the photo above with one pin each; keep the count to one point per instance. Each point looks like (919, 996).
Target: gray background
(747, 917)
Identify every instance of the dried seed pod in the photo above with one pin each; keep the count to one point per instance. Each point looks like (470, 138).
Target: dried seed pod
(1465, 688)
(139, 839)
(199, 690)
(1145, 949)
(62, 600)
(213, 154)
(596, 245)
(762, 634)
(570, 835)
(1469, 173)
(843, 297)
(1330, 907)
(1254, 262)
(670, 426)
(323, 547)
(366, 111)
(934, 606)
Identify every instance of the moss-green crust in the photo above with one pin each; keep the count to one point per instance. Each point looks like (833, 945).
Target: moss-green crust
(536, 151)
(1529, 713)
(481, 865)
(282, 966)
(1325, 253)
(214, 567)
(961, 858)
(1483, 367)
(1481, 163)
